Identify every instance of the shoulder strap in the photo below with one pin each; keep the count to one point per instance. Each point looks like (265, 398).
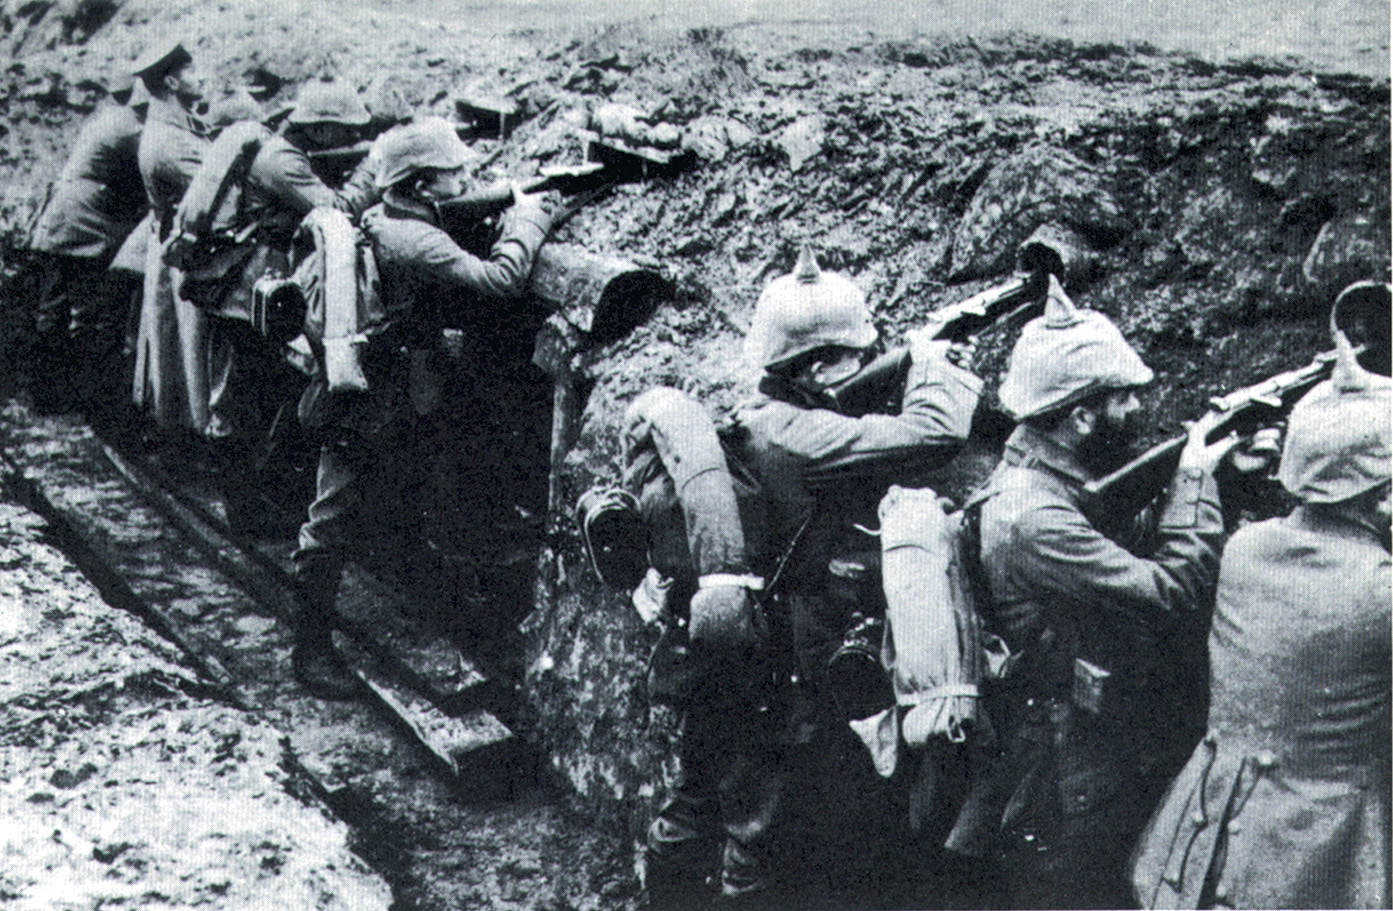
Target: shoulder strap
(970, 549)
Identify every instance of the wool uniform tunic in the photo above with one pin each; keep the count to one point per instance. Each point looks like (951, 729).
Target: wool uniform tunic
(1062, 590)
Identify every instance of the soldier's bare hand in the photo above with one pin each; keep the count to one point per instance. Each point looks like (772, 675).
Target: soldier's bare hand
(1258, 452)
(1201, 456)
(961, 354)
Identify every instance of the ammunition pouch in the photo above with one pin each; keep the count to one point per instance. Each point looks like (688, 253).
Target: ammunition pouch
(278, 309)
(859, 682)
(672, 672)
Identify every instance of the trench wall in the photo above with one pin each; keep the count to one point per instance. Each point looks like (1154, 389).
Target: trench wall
(1228, 202)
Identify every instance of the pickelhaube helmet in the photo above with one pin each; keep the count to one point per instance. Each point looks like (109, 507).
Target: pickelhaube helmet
(1064, 356)
(804, 311)
(428, 143)
(1338, 435)
(329, 102)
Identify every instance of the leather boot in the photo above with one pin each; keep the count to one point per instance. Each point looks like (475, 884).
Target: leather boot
(317, 665)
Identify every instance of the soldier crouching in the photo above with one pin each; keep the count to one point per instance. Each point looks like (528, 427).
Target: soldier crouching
(750, 761)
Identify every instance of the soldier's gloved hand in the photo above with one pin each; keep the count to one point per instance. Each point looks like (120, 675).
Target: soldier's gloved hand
(1259, 452)
(531, 207)
(1201, 456)
(726, 616)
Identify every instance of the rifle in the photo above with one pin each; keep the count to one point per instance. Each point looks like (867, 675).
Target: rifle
(342, 155)
(1129, 489)
(877, 387)
(569, 179)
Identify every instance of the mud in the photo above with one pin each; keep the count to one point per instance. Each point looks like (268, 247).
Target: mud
(1226, 198)
(126, 784)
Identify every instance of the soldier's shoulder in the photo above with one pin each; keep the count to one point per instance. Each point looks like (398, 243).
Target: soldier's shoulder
(1026, 494)
(1260, 536)
(277, 155)
(113, 120)
(401, 238)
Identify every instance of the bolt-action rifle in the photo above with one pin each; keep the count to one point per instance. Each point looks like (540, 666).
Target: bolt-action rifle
(1128, 490)
(878, 386)
(573, 180)
(342, 156)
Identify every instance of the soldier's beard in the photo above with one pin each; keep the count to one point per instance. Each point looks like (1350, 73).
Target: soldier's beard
(1110, 446)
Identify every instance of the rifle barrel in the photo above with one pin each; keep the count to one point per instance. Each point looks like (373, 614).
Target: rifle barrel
(1129, 488)
(999, 303)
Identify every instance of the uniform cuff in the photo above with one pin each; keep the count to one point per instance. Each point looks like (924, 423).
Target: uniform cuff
(529, 219)
(1188, 489)
(965, 378)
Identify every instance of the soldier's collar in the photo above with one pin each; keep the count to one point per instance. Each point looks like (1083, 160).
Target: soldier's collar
(1331, 522)
(1028, 448)
(170, 111)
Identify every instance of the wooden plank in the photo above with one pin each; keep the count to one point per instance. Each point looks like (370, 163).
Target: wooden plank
(456, 742)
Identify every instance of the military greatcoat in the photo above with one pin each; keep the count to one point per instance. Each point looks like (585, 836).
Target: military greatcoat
(171, 373)
(1285, 804)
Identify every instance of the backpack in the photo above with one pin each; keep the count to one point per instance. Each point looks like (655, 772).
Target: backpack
(335, 273)
(935, 647)
(207, 238)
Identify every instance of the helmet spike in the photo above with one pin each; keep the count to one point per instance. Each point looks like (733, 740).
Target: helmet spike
(1060, 311)
(1348, 375)
(807, 271)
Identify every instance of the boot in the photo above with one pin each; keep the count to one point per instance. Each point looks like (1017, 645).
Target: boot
(317, 665)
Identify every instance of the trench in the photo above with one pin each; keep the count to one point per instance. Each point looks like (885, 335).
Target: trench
(1233, 199)
(445, 576)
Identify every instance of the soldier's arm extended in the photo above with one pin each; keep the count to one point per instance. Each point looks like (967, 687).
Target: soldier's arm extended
(1057, 551)
(284, 171)
(359, 192)
(935, 415)
(505, 272)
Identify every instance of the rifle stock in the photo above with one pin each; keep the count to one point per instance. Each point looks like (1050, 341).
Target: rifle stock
(1128, 490)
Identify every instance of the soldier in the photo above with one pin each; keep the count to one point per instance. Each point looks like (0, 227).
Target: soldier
(751, 759)
(278, 189)
(1285, 804)
(330, 115)
(171, 377)
(96, 202)
(1085, 614)
(424, 276)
